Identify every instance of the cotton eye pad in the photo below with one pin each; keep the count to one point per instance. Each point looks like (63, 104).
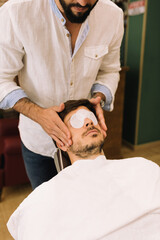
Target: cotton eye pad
(77, 119)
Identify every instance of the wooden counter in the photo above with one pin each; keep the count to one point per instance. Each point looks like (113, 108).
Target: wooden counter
(114, 120)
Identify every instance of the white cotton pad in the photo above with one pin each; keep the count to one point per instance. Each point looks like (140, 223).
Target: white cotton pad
(77, 119)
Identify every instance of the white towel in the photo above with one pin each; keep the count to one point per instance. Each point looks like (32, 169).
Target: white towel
(93, 200)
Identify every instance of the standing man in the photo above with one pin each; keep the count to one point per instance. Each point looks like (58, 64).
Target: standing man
(60, 50)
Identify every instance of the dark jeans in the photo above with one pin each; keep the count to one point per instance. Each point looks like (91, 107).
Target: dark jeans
(39, 168)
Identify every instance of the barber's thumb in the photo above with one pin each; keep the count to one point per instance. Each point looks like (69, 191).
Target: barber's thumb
(59, 108)
(95, 100)
(98, 99)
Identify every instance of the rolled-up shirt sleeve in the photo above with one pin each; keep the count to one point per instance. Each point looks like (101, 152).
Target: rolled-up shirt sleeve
(108, 74)
(12, 98)
(11, 53)
(107, 93)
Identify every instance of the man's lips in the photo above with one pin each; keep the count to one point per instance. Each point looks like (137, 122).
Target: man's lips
(80, 9)
(91, 131)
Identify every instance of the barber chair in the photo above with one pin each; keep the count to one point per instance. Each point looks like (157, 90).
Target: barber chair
(12, 170)
(61, 160)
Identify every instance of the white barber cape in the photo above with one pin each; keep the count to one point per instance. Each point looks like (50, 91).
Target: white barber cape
(93, 200)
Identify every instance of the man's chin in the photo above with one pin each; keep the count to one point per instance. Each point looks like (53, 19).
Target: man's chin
(76, 19)
(75, 16)
(87, 150)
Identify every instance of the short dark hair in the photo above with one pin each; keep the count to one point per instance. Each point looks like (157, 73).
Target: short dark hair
(71, 105)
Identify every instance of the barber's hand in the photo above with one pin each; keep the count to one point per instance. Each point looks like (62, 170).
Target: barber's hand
(100, 115)
(47, 118)
(54, 126)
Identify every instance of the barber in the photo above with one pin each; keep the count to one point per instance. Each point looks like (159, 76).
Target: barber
(59, 50)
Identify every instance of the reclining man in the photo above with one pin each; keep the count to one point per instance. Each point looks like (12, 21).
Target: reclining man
(94, 198)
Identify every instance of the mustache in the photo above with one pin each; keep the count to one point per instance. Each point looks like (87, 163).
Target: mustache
(89, 129)
(78, 5)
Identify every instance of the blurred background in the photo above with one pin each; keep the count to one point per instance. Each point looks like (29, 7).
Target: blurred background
(133, 125)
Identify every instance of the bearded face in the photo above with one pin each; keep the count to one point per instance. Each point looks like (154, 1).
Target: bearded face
(75, 12)
(87, 136)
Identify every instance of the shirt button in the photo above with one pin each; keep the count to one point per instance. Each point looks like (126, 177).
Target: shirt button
(71, 83)
(96, 55)
(67, 35)
(62, 20)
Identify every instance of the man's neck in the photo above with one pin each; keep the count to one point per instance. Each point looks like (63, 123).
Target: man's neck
(74, 158)
(73, 28)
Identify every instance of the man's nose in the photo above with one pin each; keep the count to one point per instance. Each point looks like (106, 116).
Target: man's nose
(83, 2)
(88, 122)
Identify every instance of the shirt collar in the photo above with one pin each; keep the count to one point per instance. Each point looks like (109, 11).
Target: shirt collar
(57, 12)
(84, 30)
(83, 161)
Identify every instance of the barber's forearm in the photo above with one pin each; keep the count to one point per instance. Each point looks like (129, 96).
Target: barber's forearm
(28, 108)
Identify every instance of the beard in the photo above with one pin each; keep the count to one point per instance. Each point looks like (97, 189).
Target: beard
(87, 150)
(81, 16)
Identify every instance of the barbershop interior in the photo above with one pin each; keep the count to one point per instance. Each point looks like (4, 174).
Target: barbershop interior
(133, 127)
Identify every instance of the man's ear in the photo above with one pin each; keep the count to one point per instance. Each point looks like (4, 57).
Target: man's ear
(63, 148)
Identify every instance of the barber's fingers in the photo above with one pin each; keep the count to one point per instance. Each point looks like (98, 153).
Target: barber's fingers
(59, 108)
(58, 141)
(99, 111)
(101, 118)
(60, 123)
(53, 125)
(60, 130)
(103, 131)
(101, 121)
(100, 114)
(59, 136)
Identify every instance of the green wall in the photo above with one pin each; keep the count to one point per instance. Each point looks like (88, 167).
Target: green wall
(149, 121)
(146, 118)
(132, 77)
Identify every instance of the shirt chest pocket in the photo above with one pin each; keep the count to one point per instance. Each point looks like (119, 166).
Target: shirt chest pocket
(93, 57)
